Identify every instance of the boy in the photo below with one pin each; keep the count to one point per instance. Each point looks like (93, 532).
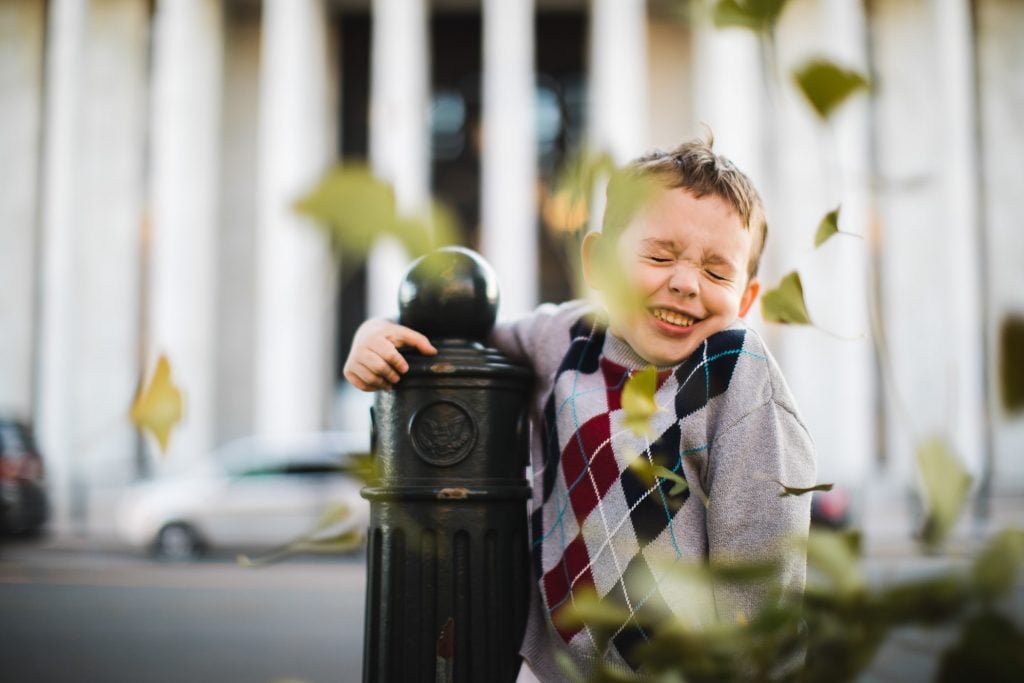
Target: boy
(676, 274)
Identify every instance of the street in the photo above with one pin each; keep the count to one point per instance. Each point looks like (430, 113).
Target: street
(83, 614)
(109, 616)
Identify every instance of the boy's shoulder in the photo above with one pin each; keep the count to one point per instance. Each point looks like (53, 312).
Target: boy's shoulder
(736, 365)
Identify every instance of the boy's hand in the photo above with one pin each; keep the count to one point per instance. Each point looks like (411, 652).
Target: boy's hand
(374, 361)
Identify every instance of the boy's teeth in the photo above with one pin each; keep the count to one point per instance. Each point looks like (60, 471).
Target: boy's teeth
(672, 317)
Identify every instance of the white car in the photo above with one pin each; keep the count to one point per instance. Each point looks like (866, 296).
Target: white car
(254, 492)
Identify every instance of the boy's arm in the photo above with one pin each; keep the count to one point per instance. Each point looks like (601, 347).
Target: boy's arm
(374, 361)
(747, 520)
(528, 339)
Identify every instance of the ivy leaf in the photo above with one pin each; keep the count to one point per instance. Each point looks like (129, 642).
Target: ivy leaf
(827, 85)
(158, 408)
(328, 535)
(356, 208)
(757, 15)
(587, 610)
(833, 556)
(361, 467)
(638, 400)
(945, 487)
(828, 226)
(994, 572)
(785, 304)
(795, 491)
(679, 483)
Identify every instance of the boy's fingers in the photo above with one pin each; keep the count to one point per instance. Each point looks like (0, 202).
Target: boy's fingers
(366, 378)
(394, 359)
(405, 336)
(380, 369)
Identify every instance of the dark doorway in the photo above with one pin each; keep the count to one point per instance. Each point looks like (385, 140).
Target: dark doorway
(456, 66)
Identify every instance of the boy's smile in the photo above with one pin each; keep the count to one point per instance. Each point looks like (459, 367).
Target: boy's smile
(677, 274)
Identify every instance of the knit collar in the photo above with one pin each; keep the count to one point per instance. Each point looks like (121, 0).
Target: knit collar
(618, 351)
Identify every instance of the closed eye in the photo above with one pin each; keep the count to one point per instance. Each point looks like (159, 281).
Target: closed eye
(718, 277)
(658, 259)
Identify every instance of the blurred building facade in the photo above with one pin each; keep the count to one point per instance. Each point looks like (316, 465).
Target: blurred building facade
(153, 151)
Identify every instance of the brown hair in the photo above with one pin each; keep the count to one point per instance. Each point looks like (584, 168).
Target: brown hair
(694, 167)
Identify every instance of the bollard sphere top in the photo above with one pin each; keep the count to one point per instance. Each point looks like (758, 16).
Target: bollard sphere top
(450, 293)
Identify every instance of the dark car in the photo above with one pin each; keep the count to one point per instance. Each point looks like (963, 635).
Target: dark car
(23, 503)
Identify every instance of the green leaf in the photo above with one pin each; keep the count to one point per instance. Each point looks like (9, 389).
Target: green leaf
(931, 600)
(680, 484)
(362, 467)
(638, 400)
(945, 486)
(327, 536)
(831, 554)
(785, 304)
(828, 226)
(794, 491)
(994, 572)
(827, 85)
(356, 209)
(586, 609)
(757, 15)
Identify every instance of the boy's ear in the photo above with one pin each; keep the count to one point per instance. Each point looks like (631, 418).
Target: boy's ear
(593, 254)
(749, 296)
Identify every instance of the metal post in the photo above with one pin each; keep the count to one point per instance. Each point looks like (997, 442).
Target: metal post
(447, 574)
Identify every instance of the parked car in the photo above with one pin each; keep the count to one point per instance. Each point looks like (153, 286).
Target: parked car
(252, 493)
(24, 508)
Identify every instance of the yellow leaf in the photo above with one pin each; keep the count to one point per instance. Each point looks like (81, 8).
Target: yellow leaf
(638, 400)
(158, 408)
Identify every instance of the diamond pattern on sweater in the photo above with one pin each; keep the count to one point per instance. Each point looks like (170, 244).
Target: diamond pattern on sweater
(601, 520)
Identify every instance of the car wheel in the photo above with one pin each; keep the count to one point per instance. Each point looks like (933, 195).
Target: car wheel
(177, 542)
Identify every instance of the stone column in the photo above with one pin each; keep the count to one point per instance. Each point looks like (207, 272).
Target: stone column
(187, 63)
(295, 283)
(932, 305)
(54, 421)
(399, 131)
(618, 77)
(509, 156)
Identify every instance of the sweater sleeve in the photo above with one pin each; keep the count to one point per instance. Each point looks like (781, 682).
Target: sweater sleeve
(538, 338)
(747, 520)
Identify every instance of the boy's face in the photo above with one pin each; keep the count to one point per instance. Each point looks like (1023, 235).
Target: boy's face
(682, 266)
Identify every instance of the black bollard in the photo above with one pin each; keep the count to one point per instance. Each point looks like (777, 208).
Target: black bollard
(447, 572)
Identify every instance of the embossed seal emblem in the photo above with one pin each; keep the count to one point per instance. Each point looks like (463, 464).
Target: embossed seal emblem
(443, 433)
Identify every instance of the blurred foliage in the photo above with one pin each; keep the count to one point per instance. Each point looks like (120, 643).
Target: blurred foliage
(357, 208)
(758, 15)
(833, 634)
(1011, 363)
(828, 226)
(945, 486)
(158, 407)
(785, 304)
(638, 403)
(827, 85)
(330, 535)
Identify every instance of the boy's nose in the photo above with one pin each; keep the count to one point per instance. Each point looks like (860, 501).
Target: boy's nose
(684, 281)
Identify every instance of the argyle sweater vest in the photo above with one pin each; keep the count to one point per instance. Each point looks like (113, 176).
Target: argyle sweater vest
(613, 518)
(601, 524)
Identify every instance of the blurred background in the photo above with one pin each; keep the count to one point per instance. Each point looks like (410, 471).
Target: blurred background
(153, 152)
